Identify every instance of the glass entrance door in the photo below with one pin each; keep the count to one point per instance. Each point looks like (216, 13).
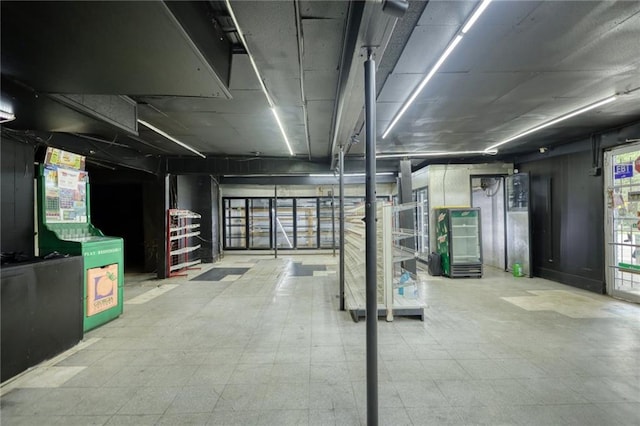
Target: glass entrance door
(622, 235)
(259, 223)
(235, 223)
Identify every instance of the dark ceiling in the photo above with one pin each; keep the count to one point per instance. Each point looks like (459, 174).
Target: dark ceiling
(83, 73)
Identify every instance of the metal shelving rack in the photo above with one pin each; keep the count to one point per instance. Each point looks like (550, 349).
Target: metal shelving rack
(393, 297)
(181, 250)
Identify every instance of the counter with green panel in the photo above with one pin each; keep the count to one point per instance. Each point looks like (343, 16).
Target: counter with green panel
(64, 226)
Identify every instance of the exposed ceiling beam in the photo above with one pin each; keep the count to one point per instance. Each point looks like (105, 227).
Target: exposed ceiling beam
(265, 166)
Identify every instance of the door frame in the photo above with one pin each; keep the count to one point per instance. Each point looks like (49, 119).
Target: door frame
(610, 268)
(503, 177)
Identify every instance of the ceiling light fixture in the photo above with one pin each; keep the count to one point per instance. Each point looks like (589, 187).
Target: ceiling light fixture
(171, 138)
(349, 174)
(272, 106)
(423, 154)
(6, 116)
(474, 17)
(555, 121)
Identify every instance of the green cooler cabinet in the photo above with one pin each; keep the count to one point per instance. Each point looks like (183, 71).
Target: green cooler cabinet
(458, 241)
(64, 226)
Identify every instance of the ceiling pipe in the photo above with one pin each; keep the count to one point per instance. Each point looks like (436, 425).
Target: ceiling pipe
(350, 39)
(296, 8)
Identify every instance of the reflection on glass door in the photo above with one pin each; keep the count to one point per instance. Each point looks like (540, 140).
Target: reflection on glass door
(422, 222)
(622, 198)
(235, 224)
(284, 223)
(259, 223)
(306, 223)
(326, 224)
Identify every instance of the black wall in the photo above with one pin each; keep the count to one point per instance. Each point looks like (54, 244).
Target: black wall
(42, 313)
(568, 220)
(116, 209)
(17, 231)
(129, 204)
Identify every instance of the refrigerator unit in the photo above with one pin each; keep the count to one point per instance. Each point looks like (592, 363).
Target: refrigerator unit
(458, 241)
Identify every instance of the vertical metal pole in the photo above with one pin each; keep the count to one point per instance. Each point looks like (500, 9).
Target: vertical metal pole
(371, 249)
(341, 228)
(275, 220)
(333, 220)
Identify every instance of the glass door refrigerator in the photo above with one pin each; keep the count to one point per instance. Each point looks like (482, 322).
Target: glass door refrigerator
(458, 241)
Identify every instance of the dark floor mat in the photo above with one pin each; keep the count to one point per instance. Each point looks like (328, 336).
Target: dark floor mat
(217, 274)
(300, 270)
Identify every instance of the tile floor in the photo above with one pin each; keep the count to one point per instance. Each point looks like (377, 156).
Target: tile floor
(270, 348)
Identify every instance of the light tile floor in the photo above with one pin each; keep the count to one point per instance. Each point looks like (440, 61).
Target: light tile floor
(273, 349)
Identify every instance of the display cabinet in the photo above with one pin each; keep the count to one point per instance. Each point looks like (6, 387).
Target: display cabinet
(183, 229)
(398, 291)
(458, 241)
(259, 223)
(306, 223)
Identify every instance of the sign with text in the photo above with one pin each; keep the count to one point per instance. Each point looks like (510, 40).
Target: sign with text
(58, 157)
(102, 288)
(621, 171)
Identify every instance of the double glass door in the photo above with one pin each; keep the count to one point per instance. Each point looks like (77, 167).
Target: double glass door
(289, 223)
(622, 233)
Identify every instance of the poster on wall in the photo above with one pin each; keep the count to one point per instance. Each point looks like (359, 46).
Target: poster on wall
(65, 195)
(58, 157)
(102, 289)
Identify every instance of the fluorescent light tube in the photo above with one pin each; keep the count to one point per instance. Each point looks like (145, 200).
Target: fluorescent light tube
(257, 72)
(423, 154)
(6, 116)
(467, 26)
(349, 174)
(284, 134)
(475, 16)
(424, 82)
(171, 138)
(555, 121)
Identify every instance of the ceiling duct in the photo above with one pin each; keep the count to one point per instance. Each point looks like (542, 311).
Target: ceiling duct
(395, 8)
(119, 111)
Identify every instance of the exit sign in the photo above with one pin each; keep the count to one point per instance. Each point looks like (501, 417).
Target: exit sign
(621, 171)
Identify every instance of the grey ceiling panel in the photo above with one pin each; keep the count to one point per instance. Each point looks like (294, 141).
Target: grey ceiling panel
(611, 51)
(243, 77)
(284, 90)
(386, 110)
(440, 12)
(292, 114)
(320, 85)
(124, 48)
(244, 102)
(398, 87)
(270, 30)
(319, 125)
(424, 48)
(323, 9)
(548, 86)
(473, 86)
(322, 43)
(522, 64)
(196, 120)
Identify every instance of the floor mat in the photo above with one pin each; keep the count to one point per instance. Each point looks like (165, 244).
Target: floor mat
(218, 274)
